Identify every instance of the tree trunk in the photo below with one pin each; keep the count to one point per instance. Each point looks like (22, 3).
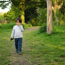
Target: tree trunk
(49, 16)
(23, 11)
(23, 17)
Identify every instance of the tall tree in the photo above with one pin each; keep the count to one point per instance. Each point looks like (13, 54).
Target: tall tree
(49, 16)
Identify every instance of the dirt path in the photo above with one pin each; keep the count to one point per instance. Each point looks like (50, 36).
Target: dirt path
(20, 59)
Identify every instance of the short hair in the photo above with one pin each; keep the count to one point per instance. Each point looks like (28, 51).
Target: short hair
(18, 18)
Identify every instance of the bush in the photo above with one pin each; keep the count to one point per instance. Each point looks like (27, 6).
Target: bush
(42, 29)
(26, 25)
(7, 26)
(42, 15)
(10, 26)
(32, 22)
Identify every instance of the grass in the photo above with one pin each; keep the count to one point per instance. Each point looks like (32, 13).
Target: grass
(41, 49)
(5, 45)
(46, 49)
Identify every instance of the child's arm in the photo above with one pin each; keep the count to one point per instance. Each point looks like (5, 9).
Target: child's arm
(22, 29)
(12, 34)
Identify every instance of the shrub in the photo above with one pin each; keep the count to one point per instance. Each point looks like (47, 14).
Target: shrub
(10, 26)
(26, 25)
(42, 15)
(42, 29)
(7, 26)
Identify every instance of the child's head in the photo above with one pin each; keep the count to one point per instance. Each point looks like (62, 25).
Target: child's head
(18, 21)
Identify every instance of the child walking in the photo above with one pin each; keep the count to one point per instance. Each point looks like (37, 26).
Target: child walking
(17, 35)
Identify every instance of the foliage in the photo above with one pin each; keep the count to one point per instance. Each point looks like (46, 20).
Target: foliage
(9, 16)
(35, 3)
(60, 17)
(42, 15)
(62, 10)
(57, 6)
(4, 3)
(35, 11)
(13, 13)
(1, 18)
(40, 19)
(30, 14)
(33, 22)
(42, 29)
(26, 25)
(10, 26)
(54, 1)
(7, 26)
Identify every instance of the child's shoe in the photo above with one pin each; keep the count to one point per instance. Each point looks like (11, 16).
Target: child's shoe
(20, 53)
(16, 50)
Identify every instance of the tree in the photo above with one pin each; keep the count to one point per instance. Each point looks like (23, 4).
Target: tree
(57, 4)
(12, 14)
(17, 3)
(24, 5)
(21, 5)
(49, 16)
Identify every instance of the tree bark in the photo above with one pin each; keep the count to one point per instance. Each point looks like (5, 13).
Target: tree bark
(23, 11)
(49, 16)
(23, 17)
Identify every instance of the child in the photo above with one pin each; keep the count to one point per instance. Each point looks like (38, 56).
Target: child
(17, 34)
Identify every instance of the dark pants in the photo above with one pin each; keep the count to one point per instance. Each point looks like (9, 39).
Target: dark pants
(18, 44)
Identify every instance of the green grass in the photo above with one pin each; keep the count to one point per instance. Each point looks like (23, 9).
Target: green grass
(5, 45)
(46, 49)
(42, 48)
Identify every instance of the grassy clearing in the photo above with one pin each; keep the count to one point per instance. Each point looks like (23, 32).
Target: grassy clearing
(41, 49)
(46, 49)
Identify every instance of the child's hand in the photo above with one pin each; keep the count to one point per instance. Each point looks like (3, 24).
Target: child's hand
(11, 39)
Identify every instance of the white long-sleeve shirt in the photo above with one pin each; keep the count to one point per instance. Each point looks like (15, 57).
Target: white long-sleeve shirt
(17, 31)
